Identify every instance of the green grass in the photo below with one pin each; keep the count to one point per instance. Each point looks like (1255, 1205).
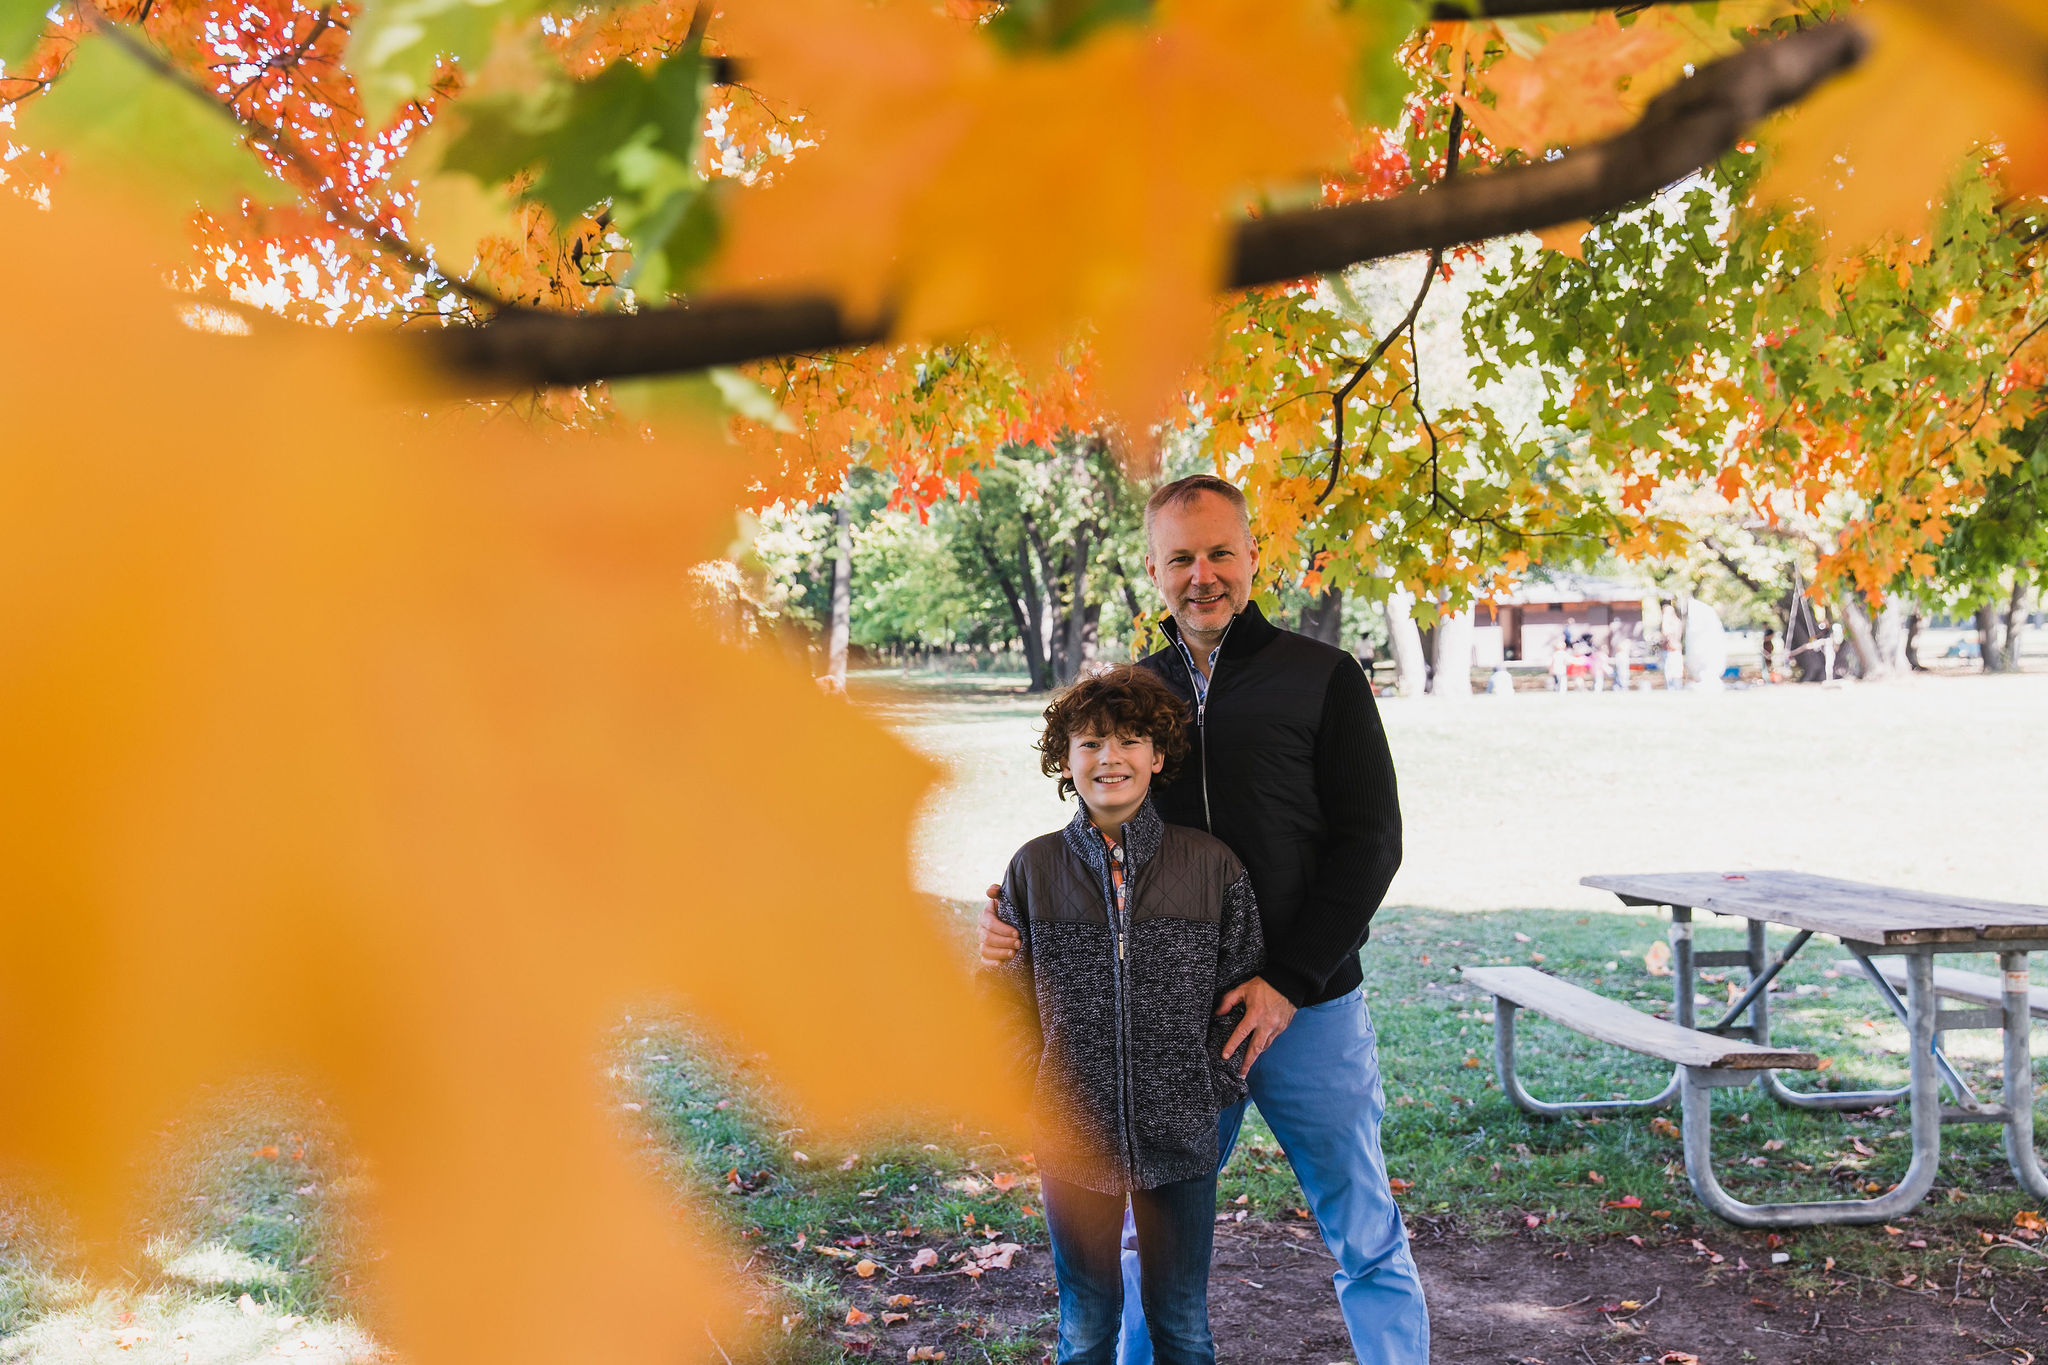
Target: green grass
(785, 1192)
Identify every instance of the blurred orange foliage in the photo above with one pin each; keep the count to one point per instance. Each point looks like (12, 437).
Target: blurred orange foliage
(1023, 193)
(385, 751)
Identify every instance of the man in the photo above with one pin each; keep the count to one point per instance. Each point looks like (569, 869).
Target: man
(1288, 766)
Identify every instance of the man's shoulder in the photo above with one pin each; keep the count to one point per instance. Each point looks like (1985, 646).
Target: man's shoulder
(1295, 646)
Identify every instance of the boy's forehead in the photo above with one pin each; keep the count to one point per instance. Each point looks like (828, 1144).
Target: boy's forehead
(1092, 731)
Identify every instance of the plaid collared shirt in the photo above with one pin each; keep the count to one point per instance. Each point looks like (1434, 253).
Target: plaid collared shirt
(1116, 871)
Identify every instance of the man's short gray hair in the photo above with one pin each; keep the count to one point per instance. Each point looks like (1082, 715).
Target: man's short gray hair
(1186, 490)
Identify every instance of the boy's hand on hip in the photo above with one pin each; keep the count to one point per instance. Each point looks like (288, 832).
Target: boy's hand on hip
(999, 942)
(1267, 1013)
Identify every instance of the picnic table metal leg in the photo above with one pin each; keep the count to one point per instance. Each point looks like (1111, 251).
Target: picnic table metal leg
(1504, 1067)
(1957, 1086)
(1775, 1086)
(1683, 986)
(1698, 1084)
(2019, 1078)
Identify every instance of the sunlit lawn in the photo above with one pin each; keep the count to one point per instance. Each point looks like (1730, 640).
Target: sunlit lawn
(1508, 802)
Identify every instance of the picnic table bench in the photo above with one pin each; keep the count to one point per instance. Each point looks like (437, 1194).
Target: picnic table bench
(1871, 922)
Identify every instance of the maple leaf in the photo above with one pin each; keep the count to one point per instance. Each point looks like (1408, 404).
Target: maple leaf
(1874, 150)
(1031, 192)
(1573, 87)
(385, 753)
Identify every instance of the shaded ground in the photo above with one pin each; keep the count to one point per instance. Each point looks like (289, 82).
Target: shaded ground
(1524, 1299)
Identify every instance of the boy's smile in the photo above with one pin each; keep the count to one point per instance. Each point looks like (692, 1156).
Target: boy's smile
(1111, 773)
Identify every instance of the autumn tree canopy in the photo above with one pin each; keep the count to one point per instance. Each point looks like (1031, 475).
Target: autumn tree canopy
(1058, 226)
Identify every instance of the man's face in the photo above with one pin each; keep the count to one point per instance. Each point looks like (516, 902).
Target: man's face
(1202, 562)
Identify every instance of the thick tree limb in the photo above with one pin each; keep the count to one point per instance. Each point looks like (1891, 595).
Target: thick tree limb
(1683, 130)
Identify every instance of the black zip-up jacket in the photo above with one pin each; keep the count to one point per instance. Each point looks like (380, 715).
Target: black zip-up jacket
(1289, 767)
(1117, 1029)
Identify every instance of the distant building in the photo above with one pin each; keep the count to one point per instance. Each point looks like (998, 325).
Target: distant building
(1528, 623)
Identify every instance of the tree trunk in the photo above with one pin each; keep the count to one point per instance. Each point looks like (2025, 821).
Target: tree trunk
(1077, 603)
(1141, 624)
(1913, 643)
(1049, 610)
(1452, 676)
(1404, 641)
(1870, 664)
(1037, 658)
(1987, 636)
(1891, 636)
(1322, 617)
(839, 628)
(1023, 613)
(2015, 618)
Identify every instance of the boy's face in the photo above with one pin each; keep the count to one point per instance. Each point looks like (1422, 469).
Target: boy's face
(1111, 772)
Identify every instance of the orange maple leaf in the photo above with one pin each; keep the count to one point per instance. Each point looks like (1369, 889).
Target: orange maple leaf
(1030, 193)
(386, 753)
(1874, 150)
(1575, 87)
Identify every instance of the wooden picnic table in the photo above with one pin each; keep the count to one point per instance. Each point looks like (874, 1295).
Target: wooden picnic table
(1870, 921)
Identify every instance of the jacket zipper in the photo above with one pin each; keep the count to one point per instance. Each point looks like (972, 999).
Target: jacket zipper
(1201, 691)
(1120, 924)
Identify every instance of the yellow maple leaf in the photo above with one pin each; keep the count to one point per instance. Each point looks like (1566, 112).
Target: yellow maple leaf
(387, 754)
(1875, 149)
(1031, 193)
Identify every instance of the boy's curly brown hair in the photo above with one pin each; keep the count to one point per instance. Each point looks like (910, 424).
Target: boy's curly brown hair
(1128, 701)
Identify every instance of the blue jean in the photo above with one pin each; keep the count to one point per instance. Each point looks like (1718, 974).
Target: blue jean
(1318, 1088)
(1176, 1225)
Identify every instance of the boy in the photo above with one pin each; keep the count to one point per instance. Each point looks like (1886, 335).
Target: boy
(1132, 930)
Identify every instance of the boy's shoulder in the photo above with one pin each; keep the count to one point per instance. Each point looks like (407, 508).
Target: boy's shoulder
(1035, 852)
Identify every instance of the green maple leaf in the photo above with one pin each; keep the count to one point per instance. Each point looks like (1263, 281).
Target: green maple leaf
(626, 137)
(394, 45)
(21, 23)
(111, 114)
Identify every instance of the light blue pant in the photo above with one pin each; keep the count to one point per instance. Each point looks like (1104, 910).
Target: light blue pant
(1318, 1089)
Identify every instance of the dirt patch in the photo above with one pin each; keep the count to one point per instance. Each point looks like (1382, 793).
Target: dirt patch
(1515, 1300)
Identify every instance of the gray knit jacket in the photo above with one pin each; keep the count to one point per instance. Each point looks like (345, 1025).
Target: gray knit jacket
(1116, 1014)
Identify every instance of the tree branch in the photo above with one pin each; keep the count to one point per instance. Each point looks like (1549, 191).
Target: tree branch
(1688, 127)
(1684, 129)
(1430, 267)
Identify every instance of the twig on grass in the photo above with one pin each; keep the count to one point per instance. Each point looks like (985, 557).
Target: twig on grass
(1559, 1308)
(715, 1346)
(2000, 1316)
(2035, 1252)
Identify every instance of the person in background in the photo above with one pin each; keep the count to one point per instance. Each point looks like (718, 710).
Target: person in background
(1770, 668)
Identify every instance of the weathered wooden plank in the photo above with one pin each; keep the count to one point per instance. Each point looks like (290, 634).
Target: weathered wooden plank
(1831, 905)
(1610, 1021)
(1957, 984)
